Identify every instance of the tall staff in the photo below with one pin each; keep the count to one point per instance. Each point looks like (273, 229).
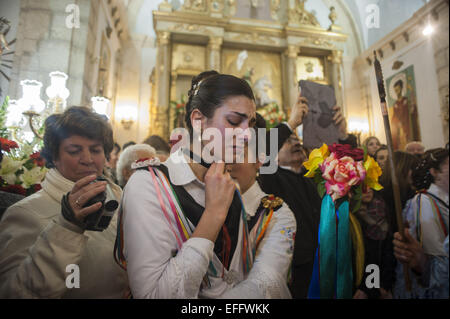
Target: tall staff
(387, 130)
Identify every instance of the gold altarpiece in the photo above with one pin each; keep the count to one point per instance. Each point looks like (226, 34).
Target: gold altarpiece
(273, 53)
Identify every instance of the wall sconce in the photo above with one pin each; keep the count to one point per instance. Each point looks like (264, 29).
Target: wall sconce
(428, 30)
(57, 92)
(31, 102)
(127, 115)
(358, 128)
(100, 105)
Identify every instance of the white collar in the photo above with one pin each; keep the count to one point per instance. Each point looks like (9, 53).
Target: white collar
(180, 172)
(252, 198)
(56, 185)
(437, 191)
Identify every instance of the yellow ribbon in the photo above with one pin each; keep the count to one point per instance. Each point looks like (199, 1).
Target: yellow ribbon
(358, 248)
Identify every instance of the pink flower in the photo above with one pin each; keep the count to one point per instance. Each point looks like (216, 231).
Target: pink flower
(341, 174)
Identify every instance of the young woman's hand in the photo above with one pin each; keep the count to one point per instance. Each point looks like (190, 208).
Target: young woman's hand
(219, 192)
(219, 189)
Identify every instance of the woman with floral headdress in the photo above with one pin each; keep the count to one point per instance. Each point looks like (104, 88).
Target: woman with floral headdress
(427, 216)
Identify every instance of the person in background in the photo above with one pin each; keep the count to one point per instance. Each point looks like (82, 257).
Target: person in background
(160, 145)
(41, 235)
(299, 192)
(374, 221)
(128, 157)
(381, 156)
(404, 166)
(372, 144)
(110, 167)
(128, 144)
(427, 218)
(415, 148)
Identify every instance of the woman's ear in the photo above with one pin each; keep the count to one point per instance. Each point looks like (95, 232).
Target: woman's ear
(434, 172)
(197, 119)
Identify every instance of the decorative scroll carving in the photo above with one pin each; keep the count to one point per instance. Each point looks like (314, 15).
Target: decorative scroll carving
(185, 27)
(253, 38)
(318, 42)
(163, 37)
(299, 15)
(335, 57)
(195, 6)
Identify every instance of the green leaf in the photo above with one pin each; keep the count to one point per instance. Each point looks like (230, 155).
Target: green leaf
(321, 189)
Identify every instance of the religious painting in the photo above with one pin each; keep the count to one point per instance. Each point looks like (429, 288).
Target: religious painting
(311, 69)
(402, 103)
(262, 70)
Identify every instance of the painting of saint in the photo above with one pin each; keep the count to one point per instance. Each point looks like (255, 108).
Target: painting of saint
(403, 108)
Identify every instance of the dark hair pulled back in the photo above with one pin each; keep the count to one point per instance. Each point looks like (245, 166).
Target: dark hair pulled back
(433, 158)
(210, 89)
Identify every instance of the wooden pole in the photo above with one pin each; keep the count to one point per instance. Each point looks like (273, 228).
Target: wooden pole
(395, 186)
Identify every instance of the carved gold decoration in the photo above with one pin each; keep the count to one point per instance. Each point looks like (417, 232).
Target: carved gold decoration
(165, 6)
(215, 43)
(333, 17)
(186, 27)
(217, 6)
(335, 57)
(195, 6)
(311, 69)
(318, 42)
(292, 51)
(253, 38)
(298, 15)
(274, 8)
(231, 7)
(186, 56)
(163, 37)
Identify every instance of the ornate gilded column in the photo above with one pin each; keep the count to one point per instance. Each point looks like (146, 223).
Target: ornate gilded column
(291, 74)
(160, 112)
(336, 67)
(214, 46)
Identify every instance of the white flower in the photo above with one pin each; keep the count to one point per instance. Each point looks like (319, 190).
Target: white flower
(32, 176)
(8, 169)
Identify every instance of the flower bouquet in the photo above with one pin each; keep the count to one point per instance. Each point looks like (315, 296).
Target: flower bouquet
(341, 174)
(179, 108)
(272, 114)
(21, 169)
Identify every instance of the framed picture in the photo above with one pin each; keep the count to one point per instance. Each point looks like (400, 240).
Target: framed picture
(261, 69)
(402, 102)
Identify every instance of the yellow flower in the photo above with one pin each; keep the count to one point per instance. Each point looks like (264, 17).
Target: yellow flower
(373, 172)
(316, 157)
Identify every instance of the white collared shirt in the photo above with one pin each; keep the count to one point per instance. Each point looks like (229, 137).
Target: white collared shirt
(158, 269)
(431, 229)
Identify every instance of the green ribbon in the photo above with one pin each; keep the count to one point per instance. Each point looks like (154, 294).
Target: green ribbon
(327, 248)
(335, 259)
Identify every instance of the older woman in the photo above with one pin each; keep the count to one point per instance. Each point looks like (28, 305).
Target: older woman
(129, 156)
(46, 250)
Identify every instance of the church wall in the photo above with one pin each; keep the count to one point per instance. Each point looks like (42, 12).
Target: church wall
(430, 61)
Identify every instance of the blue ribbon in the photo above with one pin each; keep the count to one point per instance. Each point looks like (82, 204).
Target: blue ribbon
(332, 273)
